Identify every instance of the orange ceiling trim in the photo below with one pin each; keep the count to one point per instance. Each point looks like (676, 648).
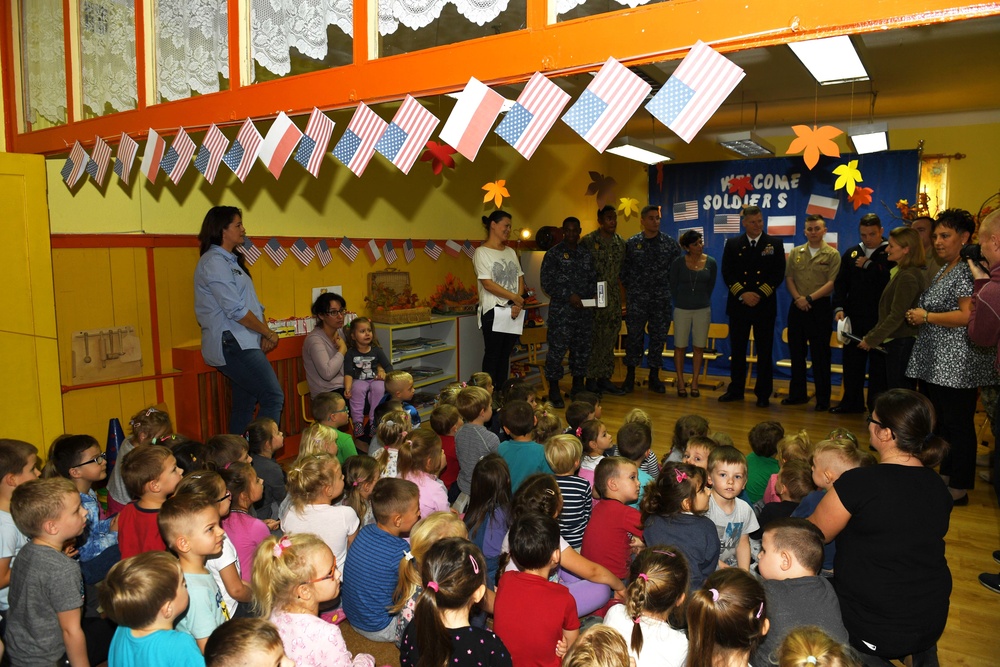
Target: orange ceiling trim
(647, 34)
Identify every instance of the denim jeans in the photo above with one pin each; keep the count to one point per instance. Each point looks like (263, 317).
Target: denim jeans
(252, 381)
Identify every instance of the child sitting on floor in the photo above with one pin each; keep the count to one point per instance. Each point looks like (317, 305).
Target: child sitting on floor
(264, 439)
(146, 425)
(473, 441)
(563, 453)
(391, 432)
(151, 475)
(399, 387)
(246, 642)
(698, 449)
(445, 421)
(312, 485)
(794, 483)
(795, 447)
(634, 443)
(330, 411)
(596, 441)
(420, 460)
(651, 465)
(761, 464)
(615, 529)
(733, 517)
(523, 455)
(685, 428)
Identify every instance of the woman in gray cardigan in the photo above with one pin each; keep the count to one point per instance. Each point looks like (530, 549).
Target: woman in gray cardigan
(692, 279)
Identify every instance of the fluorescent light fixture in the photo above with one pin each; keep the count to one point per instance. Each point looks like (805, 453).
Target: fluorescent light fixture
(747, 144)
(640, 151)
(870, 138)
(830, 60)
(504, 108)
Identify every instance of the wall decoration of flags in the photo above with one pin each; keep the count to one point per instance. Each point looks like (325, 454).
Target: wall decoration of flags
(432, 249)
(279, 144)
(727, 223)
(408, 251)
(832, 239)
(696, 89)
(371, 249)
(468, 249)
(97, 167)
(155, 147)
(125, 157)
(471, 119)
(315, 141)
(243, 152)
(76, 165)
(685, 211)
(356, 147)
(781, 225)
(824, 206)
(349, 249)
(275, 251)
(213, 147)
(700, 230)
(607, 104)
(452, 248)
(323, 252)
(407, 134)
(533, 115)
(389, 252)
(177, 158)
(302, 252)
(249, 251)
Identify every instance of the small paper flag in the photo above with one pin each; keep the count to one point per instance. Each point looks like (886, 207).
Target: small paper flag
(389, 252)
(323, 252)
(349, 249)
(432, 249)
(275, 252)
(302, 252)
(98, 165)
(249, 251)
(452, 248)
(408, 251)
(371, 249)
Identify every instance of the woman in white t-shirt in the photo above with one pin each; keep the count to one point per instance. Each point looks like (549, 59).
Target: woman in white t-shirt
(501, 283)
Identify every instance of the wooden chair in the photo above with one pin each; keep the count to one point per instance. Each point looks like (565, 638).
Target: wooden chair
(303, 390)
(716, 332)
(837, 369)
(619, 354)
(534, 339)
(751, 360)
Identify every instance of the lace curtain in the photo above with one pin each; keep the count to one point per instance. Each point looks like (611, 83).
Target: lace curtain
(565, 6)
(107, 49)
(276, 26)
(45, 60)
(192, 47)
(416, 14)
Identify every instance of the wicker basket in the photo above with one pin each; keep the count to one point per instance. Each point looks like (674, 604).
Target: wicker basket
(397, 282)
(405, 316)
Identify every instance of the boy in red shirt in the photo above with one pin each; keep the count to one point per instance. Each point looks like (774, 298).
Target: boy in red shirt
(535, 618)
(614, 529)
(151, 475)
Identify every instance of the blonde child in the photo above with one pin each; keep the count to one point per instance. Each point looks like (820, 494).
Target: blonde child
(360, 474)
(151, 475)
(651, 465)
(761, 462)
(18, 464)
(365, 367)
(685, 428)
(656, 592)
(244, 530)
(318, 439)
(428, 531)
(145, 595)
(330, 411)
(733, 517)
(292, 577)
(450, 392)
(596, 440)
(547, 424)
(445, 421)
(564, 453)
(146, 424)
(312, 485)
(264, 439)
(809, 646)
(399, 387)
(723, 439)
(673, 512)
(727, 620)
(794, 447)
(391, 432)
(420, 460)
(246, 642)
(225, 567)
(224, 449)
(473, 441)
(697, 451)
(599, 646)
(453, 580)
(483, 380)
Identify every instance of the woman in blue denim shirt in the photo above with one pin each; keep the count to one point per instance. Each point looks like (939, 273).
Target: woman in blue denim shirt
(234, 336)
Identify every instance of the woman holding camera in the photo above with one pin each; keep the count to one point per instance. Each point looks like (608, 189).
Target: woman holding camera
(950, 365)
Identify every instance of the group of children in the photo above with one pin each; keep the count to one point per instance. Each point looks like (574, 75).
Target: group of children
(495, 508)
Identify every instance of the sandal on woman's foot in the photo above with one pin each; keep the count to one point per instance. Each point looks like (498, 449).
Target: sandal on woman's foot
(681, 392)
(695, 393)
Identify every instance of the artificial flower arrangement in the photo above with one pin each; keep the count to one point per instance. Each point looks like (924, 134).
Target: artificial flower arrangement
(453, 297)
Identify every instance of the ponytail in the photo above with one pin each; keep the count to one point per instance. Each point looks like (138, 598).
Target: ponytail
(659, 578)
(726, 616)
(280, 565)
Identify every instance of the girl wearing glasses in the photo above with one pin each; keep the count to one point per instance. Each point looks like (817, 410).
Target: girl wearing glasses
(324, 349)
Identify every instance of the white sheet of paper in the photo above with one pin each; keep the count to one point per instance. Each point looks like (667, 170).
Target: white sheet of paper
(504, 323)
(589, 303)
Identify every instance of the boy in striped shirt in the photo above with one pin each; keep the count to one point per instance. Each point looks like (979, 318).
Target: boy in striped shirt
(563, 453)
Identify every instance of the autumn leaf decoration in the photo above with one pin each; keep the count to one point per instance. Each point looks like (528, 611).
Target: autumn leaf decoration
(496, 191)
(439, 155)
(813, 141)
(627, 206)
(861, 197)
(848, 177)
(602, 186)
(740, 184)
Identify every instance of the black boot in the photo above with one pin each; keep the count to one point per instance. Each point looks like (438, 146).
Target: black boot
(555, 398)
(605, 386)
(654, 381)
(628, 386)
(593, 386)
(577, 387)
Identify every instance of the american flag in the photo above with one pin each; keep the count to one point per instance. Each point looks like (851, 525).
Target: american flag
(407, 134)
(125, 157)
(275, 252)
(323, 252)
(356, 147)
(315, 141)
(76, 165)
(178, 157)
(700, 230)
(452, 248)
(432, 249)
(696, 89)
(349, 249)
(607, 104)
(408, 251)
(243, 152)
(533, 115)
(727, 223)
(469, 249)
(249, 251)
(98, 165)
(685, 210)
(302, 252)
(213, 147)
(371, 249)
(389, 252)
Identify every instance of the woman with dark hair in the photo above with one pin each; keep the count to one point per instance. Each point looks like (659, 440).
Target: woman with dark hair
(692, 279)
(890, 521)
(501, 284)
(950, 365)
(234, 335)
(324, 348)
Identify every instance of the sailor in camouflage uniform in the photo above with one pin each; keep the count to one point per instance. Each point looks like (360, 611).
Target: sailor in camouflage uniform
(608, 252)
(568, 277)
(648, 256)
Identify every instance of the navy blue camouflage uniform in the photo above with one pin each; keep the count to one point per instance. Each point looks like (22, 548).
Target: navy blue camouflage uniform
(645, 275)
(565, 272)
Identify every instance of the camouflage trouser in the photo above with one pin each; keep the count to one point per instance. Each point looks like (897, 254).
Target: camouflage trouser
(607, 326)
(569, 328)
(657, 314)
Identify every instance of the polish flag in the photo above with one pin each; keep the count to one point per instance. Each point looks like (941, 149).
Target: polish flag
(155, 147)
(472, 118)
(279, 144)
(781, 225)
(824, 206)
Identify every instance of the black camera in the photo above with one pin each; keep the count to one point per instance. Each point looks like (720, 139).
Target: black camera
(973, 251)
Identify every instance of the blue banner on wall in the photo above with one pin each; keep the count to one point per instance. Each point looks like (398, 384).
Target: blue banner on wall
(708, 196)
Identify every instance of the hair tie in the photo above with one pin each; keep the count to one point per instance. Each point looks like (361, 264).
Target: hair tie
(761, 609)
(389, 422)
(680, 475)
(354, 483)
(579, 431)
(226, 467)
(281, 545)
(715, 594)
(811, 660)
(637, 619)
(403, 434)
(928, 438)
(464, 385)
(475, 564)
(665, 553)
(643, 576)
(407, 555)
(550, 492)
(149, 411)
(433, 585)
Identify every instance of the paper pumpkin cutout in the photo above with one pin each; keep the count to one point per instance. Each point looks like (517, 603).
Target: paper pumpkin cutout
(740, 184)
(496, 191)
(861, 197)
(439, 155)
(602, 186)
(848, 177)
(814, 141)
(627, 206)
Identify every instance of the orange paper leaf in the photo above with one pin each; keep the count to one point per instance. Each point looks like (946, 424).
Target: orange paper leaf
(812, 142)
(496, 191)
(861, 197)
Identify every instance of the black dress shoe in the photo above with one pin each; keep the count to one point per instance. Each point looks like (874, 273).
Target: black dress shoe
(794, 401)
(606, 386)
(822, 407)
(846, 410)
(729, 398)
(764, 403)
(961, 502)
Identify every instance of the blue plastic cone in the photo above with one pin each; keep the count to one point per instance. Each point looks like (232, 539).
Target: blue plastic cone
(116, 436)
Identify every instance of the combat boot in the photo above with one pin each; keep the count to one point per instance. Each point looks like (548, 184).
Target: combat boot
(628, 386)
(593, 387)
(555, 398)
(577, 387)
(654, 381)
